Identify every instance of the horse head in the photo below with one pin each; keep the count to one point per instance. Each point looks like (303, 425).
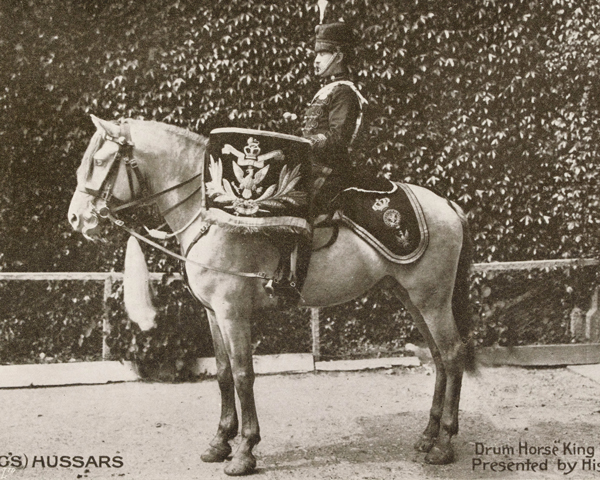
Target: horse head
(103, 178)
(135, 163)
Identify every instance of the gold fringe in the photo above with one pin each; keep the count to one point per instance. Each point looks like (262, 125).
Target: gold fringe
(267, 231)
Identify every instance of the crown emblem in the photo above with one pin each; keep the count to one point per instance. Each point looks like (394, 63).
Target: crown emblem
(252, 150)
(381, 204)
(251, 155)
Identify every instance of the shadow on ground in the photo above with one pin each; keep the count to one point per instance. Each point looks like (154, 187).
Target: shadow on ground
(388, 439)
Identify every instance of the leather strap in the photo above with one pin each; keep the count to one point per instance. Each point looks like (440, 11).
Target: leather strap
(121, 224)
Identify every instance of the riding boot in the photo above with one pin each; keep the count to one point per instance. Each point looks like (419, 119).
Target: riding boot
(295, 251)
(291, 271)
(302, 262)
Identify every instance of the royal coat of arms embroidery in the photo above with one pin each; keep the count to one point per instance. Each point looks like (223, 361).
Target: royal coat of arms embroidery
(254, 173)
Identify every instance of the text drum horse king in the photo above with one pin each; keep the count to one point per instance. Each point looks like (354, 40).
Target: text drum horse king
(227, 271)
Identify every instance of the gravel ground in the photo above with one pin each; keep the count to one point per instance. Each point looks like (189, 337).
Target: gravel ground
(325, 426)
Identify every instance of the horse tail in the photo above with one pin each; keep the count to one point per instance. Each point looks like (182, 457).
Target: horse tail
(461, 304)
(137, 293)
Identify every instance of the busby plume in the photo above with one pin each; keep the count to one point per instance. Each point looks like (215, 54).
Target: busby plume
(322, 4)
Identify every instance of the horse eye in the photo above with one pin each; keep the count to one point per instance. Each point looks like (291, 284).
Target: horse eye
(99, 162)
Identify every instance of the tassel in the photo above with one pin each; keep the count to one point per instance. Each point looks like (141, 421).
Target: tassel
(136, 287)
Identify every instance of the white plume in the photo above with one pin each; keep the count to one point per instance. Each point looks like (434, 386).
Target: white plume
(322, 7)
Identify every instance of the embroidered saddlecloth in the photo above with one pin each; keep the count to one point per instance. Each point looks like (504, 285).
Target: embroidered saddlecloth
(392, 222)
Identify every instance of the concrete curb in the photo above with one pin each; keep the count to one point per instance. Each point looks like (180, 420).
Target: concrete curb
(366, 364)
(90, 373)
(265, 364)
(76, 373)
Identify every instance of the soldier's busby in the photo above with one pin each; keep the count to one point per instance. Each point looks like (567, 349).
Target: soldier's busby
(332, 33)
(334, 36)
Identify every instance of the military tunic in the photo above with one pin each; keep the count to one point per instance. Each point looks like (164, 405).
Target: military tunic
(331, 123)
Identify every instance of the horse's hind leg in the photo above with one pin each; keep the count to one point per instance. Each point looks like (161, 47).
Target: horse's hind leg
(430, 434)
(219, 448)
(448, 352)
(433, 317)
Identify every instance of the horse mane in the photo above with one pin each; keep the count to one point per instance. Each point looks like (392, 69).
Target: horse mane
(182, 132)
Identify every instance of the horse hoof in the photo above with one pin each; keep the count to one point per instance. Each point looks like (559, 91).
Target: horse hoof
(424, 444)
(216, 454)
(437, 456)
(242, 465)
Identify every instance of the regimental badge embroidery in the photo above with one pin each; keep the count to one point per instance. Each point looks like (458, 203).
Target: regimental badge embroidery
(381, 204)
(248, 196)
(393, 219)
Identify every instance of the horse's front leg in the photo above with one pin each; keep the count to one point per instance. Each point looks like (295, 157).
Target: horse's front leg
(237, 339)
(219, 448)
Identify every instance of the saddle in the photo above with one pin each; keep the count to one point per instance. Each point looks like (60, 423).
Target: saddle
(390, 220)
(385, 214)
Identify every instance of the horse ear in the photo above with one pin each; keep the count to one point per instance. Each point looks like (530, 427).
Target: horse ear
(107, 127)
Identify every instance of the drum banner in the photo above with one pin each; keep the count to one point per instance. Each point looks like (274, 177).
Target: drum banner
(258, 179)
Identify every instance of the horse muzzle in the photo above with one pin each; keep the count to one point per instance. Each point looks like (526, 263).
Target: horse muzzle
(84, 212)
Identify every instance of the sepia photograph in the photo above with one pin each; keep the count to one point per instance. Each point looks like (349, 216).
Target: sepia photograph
(301, 240)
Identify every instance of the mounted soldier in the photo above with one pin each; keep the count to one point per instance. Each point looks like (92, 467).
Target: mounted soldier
(252, 187)
(332, 121)
(334, 117)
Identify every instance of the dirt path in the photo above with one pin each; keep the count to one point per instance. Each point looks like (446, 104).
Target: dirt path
(334, 426)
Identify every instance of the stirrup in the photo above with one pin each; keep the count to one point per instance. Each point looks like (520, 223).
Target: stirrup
(287, 292)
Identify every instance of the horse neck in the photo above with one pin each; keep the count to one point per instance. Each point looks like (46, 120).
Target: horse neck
(168, 157)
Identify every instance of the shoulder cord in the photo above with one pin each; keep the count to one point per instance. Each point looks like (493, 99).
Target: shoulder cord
(362, 101)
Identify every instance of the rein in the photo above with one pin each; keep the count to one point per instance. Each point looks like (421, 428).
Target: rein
(148, 199)
(124, 141)
(203, 231)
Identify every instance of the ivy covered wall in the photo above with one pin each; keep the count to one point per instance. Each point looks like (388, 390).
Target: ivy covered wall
(491, 103)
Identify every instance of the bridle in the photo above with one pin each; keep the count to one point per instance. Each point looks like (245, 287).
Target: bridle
(102, 187)
(104, 191)
(124, 155)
